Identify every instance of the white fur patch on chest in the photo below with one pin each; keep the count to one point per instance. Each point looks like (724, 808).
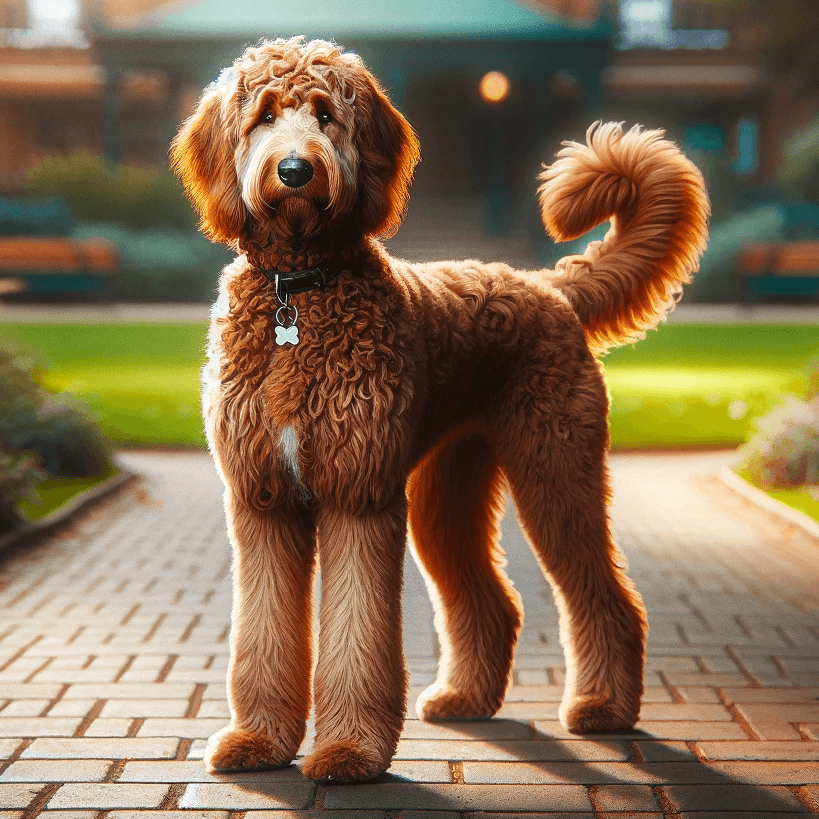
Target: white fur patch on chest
(289, 450)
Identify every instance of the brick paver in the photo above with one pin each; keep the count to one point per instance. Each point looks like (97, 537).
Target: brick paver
(113, 648)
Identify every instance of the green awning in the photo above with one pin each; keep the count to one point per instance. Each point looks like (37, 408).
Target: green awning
(357, 19)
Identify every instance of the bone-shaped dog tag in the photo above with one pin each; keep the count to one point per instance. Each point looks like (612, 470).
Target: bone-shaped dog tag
(287, 335)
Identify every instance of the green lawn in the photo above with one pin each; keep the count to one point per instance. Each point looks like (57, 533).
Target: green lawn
(682, 386)
(798, 499)
(53, 493)
(140, 380)
(702, 385)
(803, 499)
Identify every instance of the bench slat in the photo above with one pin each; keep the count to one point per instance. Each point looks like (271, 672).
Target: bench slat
(756, 257)
(798, 259)
(21, 254)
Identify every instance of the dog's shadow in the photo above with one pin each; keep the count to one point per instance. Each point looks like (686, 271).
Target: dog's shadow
(631, 771)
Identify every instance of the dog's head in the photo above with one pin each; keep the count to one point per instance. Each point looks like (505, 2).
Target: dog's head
(296, 137)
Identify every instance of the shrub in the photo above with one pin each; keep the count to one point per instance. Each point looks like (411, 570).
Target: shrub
(161, 264)
(98, 190)
(53, 428)
(717, 280)
(18, 480)
(66, 440)
(785, 449)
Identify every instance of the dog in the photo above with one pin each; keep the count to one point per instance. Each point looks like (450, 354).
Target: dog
(350, 396)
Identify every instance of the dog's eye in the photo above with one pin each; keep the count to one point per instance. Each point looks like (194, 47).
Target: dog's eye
(324, 117)
(268, 117)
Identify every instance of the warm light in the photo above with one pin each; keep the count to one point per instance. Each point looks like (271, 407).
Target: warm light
(494, 87)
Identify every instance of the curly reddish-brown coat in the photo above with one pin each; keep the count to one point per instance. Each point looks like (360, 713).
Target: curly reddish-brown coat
(420, 394)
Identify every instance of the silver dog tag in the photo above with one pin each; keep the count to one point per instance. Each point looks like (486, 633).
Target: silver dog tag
(287, 334)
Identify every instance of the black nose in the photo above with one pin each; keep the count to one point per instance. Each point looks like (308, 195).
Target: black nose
(295, 172)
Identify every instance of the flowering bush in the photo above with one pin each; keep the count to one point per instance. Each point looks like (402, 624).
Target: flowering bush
(98, 190)
(785, 449)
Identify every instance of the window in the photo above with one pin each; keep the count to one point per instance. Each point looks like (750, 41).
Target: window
(56, 16)
(650, 24)
(43, 24)
(645, 23)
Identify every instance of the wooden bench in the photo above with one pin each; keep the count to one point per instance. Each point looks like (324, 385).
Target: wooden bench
(39, 259)
(784, 269)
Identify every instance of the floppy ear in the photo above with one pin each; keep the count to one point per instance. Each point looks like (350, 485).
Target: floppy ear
(202, 154)
(388, 152)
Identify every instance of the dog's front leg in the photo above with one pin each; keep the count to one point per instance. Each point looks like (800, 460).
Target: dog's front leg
(270, 651)
(361, 681)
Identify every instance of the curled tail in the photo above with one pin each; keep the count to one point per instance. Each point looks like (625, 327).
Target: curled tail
(656, 201)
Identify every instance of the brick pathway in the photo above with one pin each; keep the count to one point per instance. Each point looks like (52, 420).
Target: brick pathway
(113, 652)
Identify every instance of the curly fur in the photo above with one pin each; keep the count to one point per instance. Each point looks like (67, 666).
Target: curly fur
(417, 394)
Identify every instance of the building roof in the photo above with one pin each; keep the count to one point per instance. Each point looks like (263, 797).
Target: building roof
(358, 19)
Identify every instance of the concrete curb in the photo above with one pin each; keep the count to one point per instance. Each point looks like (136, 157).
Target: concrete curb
(772, 506)
(67, 512)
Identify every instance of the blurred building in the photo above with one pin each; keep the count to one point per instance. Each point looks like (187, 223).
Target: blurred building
(117, 76)
(479, 141)
(52, 85)
(693, 68)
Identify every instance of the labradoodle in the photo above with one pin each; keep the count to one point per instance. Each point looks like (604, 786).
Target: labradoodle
(350, 396)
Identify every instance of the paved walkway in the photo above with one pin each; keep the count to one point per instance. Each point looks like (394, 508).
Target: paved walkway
(113, 647)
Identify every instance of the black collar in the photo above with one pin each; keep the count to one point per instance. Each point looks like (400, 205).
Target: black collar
(299, 281)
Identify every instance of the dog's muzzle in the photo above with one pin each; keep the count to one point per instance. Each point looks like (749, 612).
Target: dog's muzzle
(295, 172)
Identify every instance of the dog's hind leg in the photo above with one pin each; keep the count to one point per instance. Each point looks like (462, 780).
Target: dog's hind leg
(455, 502)
(554, 458)
(360, 687)
(271, 639)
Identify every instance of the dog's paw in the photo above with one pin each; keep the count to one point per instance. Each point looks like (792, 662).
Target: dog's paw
(442, 703)
(233, 749)
(344, 761)
(595, 715)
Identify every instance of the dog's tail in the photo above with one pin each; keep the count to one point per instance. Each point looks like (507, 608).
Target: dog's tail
(656, 201)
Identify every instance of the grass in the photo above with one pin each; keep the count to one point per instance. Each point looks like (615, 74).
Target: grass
(683, 386)
(797, 499)
(54, 493)
(140, 380)
(800, 498)
(701, 386)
